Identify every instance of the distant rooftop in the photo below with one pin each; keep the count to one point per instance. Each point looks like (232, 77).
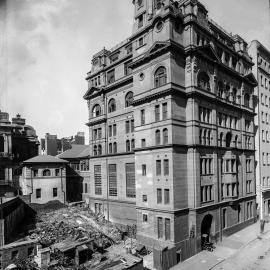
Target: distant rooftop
(44, 159)
(77, 151)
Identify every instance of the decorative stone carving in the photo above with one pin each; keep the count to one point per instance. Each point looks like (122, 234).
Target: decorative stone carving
(188, 64)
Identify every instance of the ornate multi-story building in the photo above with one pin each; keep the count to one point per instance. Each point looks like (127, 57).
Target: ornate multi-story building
(261, 70)
(18, 142)
(171, 121)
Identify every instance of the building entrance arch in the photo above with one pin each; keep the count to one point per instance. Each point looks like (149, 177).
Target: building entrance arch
(206, 228)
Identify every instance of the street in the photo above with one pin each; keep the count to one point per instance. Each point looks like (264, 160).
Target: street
(256, 255)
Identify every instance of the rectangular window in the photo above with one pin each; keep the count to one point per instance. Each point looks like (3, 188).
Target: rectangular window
(110, 131)
(144, 198)
(14, 254)
(114, 130)
(97, 178)
(130, 180)
(167, 229)
(54, 192)
(143, 143)
(159, 195)
(30, 251)
(128, 69)
(166, 167)
(166, 196)
(94, 134)
(140, 21)
(157, 113)
(85, 188)
(111, 76)
(132, 125)
(144, 169)
(112, 180)
(127, 127)
(38, 193)
(158, 167)
(160, 227)
(142, 117)
(140, 42)
(145, 218)
(164, 111)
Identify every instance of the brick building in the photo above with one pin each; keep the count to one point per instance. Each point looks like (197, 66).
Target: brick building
(261, 70)
(171, 127)
(77, 171)
(52, 146)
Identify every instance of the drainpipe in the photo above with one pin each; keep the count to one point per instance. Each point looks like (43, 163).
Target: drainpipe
(107, 166)
(62, 185)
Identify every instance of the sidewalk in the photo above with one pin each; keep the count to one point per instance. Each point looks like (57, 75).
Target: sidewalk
(206, 260)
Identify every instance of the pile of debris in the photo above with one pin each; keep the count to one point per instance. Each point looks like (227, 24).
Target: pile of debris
(75, 223)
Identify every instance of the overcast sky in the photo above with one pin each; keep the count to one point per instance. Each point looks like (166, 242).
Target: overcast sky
(48, 44)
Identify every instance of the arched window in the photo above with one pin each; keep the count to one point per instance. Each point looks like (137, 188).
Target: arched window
(204, 81)
(127, 146)
(205, 137)
(95, 150)
(115, 147)
(158, 137)
(57, 172)
(110, 148)
(209, 137)
(246, 100)
(99, 150)
(221, 139)
(227, 91)
(2, 144)
(220, 89)
(160, 76)
(132, 145)
(165, 136)
(46, 172)
(96, 111)
(201, 134)
(234, 94)
(228, 139)
(112, 105)
(236, 141)
(129, 99)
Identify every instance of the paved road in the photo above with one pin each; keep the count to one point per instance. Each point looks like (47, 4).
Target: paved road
(254, 256)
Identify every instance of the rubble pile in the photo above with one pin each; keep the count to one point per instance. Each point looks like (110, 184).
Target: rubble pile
(74, 223)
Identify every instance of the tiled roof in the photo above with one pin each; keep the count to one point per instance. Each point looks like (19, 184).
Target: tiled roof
(77, 151)
(44, 159)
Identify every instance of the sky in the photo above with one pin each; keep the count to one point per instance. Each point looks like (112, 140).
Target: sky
(46, 48)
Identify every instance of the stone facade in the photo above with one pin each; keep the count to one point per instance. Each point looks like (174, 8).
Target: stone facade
(171, 126)
(261, 70)
(18, 142)
(44, 179)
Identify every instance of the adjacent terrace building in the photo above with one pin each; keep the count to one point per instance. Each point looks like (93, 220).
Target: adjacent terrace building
(261, 70)
(171, 124)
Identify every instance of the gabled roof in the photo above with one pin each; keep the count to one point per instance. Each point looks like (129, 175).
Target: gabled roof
(92, 90)
(77, 151)
(210, 51)
(251, 78)
(44, 159)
